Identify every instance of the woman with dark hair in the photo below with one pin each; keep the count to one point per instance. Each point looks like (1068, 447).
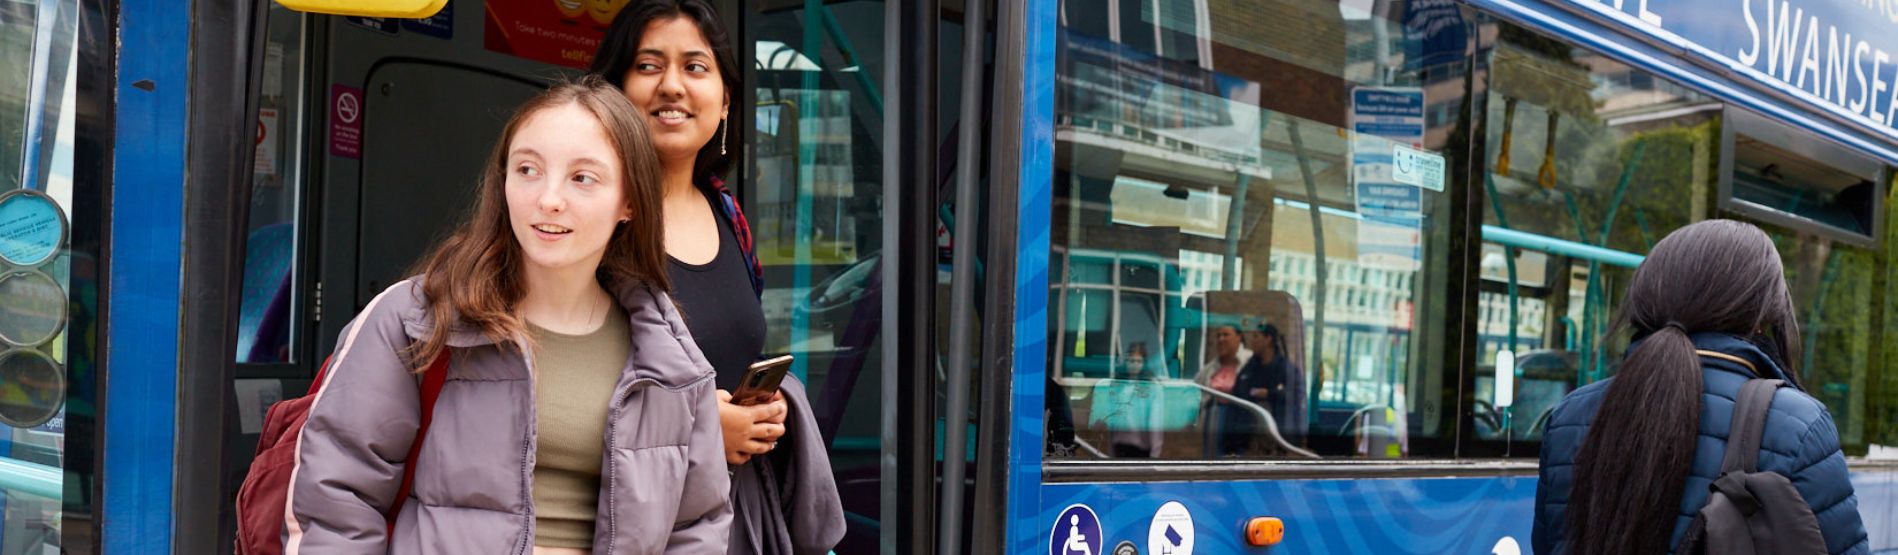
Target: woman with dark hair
(673, 60)
(1271, 380)
(1710, 310)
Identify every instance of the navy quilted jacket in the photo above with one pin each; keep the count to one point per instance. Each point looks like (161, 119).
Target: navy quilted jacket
(1800, 442)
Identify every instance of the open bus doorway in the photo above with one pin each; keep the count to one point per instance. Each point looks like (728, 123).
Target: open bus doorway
(372, 135)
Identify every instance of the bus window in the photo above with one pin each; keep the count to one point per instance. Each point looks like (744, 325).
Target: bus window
(1251, 229)
(272, 299)
(1824, 206)
(814, 196)
(48, 281)
(1589, 163)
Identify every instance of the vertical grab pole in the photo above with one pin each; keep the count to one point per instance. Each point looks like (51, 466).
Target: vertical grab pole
(962, 283)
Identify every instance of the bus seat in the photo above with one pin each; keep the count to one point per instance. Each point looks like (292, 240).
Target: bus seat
(1380, 432)
(267, 254)
(273, 331)
(1144, 405)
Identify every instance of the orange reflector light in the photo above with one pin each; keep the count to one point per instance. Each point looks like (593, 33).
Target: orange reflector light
(1265, 531)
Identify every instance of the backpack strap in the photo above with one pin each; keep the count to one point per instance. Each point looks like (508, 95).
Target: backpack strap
(432, 380)
(1749, 423)
(320, 371)
(741, 228)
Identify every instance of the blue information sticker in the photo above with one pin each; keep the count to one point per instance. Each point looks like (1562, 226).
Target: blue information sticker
(32, 228)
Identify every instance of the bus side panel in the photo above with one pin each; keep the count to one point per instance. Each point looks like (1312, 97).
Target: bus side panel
(1391, 516)
(1033, 232)
(1878, 504)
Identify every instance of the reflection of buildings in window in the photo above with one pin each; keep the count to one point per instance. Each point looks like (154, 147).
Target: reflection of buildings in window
(824, 136)
(1360, 296)
(1122, 98)
(1622, 88)
(1111, 299)
(1200, 270)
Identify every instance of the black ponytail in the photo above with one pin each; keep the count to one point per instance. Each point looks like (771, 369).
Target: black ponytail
(1713, 276)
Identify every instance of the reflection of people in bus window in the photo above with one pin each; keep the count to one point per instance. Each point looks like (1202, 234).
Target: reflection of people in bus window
(1143, 439)
(1271, 380)
(674, 60)
(1222, 373)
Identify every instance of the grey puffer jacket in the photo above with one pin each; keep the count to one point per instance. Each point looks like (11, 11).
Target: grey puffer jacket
(663, 484)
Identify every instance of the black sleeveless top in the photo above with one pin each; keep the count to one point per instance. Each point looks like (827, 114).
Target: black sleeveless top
(720, 308)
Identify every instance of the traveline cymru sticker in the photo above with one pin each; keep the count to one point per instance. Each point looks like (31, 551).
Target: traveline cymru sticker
(1417, 167)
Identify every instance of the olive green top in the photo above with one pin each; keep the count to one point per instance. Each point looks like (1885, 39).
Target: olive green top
(575, 376)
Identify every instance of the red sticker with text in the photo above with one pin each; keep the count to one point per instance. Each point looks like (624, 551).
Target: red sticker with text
(560, 32)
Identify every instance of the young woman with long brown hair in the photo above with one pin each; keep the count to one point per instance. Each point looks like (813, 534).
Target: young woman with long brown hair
(673, 59)
(577, 416)
(1626, 461)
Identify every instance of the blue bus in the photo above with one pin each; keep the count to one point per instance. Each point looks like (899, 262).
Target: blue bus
(1009, 242)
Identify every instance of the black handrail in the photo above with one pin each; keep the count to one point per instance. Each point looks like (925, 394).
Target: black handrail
(909, 275)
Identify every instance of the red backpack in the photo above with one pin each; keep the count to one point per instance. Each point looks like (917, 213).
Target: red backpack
(260, 501)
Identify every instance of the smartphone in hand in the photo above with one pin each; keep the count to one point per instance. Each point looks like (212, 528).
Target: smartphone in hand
(761, 381)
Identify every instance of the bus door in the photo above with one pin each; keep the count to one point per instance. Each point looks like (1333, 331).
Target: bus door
(372, 133)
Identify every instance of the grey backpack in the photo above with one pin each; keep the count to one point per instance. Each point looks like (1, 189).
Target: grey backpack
(1750, 511)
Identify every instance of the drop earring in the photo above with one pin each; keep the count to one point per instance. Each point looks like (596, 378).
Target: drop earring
(721, 138)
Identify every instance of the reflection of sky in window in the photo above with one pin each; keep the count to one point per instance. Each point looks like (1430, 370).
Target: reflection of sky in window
(776, 55)
(59, 179)
(768, 117)
(1144, 203)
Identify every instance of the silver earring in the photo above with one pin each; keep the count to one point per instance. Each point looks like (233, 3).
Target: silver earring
(721, 138)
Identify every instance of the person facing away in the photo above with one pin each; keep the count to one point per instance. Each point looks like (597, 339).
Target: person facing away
(673, 59)
(1626, 462)
(577, 415)
(1222, 374)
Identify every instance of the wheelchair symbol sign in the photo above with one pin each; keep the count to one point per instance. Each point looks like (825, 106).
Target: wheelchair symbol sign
(1076, 532)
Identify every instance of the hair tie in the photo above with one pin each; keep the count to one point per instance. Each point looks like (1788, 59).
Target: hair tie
(1675, 325)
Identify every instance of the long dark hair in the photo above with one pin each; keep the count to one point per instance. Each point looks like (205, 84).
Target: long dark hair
(1278, 344)
(474, 277)
(621, 46)
(1713, 276)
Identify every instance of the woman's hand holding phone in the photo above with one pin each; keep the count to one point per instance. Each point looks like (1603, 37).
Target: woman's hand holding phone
(751, 430)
